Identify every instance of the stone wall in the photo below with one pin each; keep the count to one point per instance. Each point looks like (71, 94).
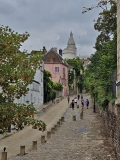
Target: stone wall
(111, 118)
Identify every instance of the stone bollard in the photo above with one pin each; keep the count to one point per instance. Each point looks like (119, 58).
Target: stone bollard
(22, 150)
(62, 118)
(34, 145)
(58, 124)
(44, 109)
(48, 134)
(56, 127)
(43, 139)
(4, 156)
(78, 106)
(53, 130)
(81, 114)
(74, 118)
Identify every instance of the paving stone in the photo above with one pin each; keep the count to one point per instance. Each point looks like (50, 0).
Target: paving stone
(83, 139)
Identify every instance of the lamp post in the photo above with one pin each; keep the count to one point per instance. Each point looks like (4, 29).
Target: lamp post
(94, 109)
(94, 94)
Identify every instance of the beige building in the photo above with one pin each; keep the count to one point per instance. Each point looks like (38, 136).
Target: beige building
(118, 53)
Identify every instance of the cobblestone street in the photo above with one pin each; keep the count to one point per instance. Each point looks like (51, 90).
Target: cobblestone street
(83, 139)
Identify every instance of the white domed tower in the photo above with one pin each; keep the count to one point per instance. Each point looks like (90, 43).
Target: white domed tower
(70, 51)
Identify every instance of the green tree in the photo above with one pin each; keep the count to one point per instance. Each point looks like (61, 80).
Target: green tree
(19, 116)
(106, 23)
(98, 75)
(77, 65)
(48, 86)
(57, 86)
(103, 63)
(17, 70)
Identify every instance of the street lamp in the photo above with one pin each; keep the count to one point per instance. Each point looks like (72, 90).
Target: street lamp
(94, 109)
(93, 89)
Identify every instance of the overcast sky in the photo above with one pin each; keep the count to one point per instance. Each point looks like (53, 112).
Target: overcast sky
(49, 23)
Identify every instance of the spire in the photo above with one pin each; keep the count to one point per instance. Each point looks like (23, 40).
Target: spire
(71, 40)
(71, 34)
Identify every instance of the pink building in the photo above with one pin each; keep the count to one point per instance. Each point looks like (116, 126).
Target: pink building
(58, 67)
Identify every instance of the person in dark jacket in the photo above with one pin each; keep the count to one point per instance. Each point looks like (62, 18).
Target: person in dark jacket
(72, 103)
(82, 103)
(81, 97)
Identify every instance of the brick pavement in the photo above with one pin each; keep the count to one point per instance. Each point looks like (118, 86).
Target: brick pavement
(27, 135)
(83, 139)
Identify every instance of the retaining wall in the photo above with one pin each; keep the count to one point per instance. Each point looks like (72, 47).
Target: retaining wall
(111, 118)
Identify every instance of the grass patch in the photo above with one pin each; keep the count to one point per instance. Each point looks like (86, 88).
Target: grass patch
(6, 136)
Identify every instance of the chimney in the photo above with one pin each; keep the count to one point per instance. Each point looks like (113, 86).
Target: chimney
(60, 52)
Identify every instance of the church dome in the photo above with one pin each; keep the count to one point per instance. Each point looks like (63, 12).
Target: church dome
(71, 40)
(70, 51)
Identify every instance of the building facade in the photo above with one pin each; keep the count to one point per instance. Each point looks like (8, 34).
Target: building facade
(56, 65)
(85, 60)
(35, 93)
(70, 51)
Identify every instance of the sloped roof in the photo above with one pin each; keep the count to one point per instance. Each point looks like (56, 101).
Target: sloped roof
(53, 57)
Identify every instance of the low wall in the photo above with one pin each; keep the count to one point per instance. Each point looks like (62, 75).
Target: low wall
(111, 118)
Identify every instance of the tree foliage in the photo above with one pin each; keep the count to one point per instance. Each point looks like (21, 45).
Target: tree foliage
(50, 87)
(98, 75)
(98, 79)
(17, 70)
(57, 86)
(19, 116)
(106, 23)
(77, 65)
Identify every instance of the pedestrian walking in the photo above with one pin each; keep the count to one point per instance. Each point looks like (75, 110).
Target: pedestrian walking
(68, 98)
(78, 96)
(72, 103)
(87, 103)
(81, 97)
(75, 101)
(82, 102)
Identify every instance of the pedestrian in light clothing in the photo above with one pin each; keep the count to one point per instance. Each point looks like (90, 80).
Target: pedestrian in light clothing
(75, 101)
(87, 103)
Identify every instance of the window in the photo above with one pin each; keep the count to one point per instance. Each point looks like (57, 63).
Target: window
(56, 69)
(35, 87)
(64, 73)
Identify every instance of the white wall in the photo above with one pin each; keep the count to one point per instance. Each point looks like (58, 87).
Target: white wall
(35, 93)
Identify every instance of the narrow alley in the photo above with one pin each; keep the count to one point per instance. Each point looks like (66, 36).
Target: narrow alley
(83, 139)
